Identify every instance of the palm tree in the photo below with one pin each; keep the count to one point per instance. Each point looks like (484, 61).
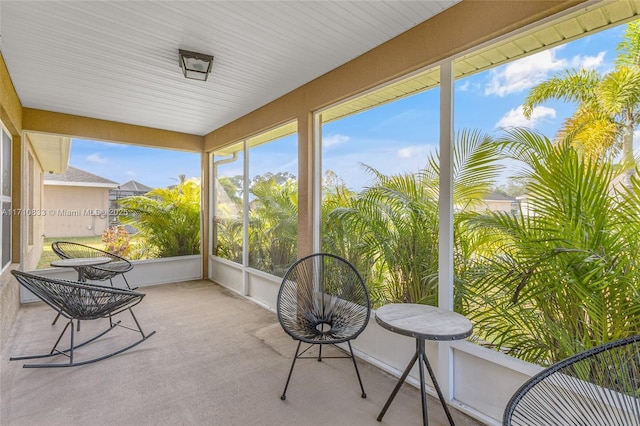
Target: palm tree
(167, 218)
(608, 106)
(561, 277)
(395, 221)
(339, 237)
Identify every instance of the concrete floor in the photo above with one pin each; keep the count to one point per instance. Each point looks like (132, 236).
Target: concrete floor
(216, 359)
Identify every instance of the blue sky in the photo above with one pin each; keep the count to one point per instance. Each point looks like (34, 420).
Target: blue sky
(122, 163)
(393, 138)
(399, 137)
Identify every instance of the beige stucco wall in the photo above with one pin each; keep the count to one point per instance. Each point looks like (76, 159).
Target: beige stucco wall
(10, 107)
(11, 117)
(499, 205)
(70, 210)
(92, 128)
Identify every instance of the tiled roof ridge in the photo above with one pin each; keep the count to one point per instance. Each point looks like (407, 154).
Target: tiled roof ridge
(73, 174)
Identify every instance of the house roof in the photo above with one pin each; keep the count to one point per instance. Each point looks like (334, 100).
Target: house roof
(134, 186)
(77, 177)
(495, 196)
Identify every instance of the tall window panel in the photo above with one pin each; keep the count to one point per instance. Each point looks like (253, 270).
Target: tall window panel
(255, 200)
(546, 223)
(380, 187)
(5, 197)
(228, 202)
(272, 197)
(134, 201)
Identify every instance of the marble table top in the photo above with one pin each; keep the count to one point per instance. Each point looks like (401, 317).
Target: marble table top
(80, 262)
(423, 321)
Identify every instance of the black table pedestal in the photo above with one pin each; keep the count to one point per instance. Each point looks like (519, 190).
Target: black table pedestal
(420, 355)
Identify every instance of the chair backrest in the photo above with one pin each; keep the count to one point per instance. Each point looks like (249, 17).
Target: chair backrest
(600, 386)
(323, 287)
(71, 250)
(77, 300)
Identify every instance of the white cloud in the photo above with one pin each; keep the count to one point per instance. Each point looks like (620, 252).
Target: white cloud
(130, 173)
(525, 73)
(332, 140)
(515, 117)
(588, 62)
(408, 116)
(97, 158)
(412, 151)
(464, 87)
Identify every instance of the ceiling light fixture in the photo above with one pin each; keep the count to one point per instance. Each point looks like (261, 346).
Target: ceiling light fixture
(196, 66)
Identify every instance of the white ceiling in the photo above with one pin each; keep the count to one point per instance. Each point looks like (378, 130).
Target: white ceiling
(118, 60)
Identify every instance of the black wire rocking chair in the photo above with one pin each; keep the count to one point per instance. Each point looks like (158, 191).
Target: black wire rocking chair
(78, 301)
(323, 300)
(117, 266)
(600, 386)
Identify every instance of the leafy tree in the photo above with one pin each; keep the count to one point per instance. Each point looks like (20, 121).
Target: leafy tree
(232, 187)
(228, 232)
(279, 178)
(273, 223)
(341, 238)
(337, 236)
(228, 235)
(167, 218)
(513, 187)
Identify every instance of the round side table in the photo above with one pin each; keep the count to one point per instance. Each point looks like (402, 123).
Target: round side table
(423, 322)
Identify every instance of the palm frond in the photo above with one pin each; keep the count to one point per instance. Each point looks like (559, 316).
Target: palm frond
(576, 85)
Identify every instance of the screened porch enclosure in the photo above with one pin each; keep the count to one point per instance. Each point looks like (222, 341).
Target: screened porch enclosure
(277, 183)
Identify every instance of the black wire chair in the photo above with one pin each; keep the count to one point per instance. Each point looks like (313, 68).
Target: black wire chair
(117, 266)
(80, 301)
(600, 386)
(323, 300)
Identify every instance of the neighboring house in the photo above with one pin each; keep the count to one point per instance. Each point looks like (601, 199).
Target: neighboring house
(127, 189)
(496, 202)
(76, 202)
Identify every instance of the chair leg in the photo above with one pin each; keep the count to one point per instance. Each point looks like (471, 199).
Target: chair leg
(55, 320)
(137, 323)
(71, 346)
(69, 352)
(293, 363)
(54, 350)
(364, 395)
(127, 283)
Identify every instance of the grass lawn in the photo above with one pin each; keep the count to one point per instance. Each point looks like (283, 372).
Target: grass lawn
(48, 255)
(96, 241)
